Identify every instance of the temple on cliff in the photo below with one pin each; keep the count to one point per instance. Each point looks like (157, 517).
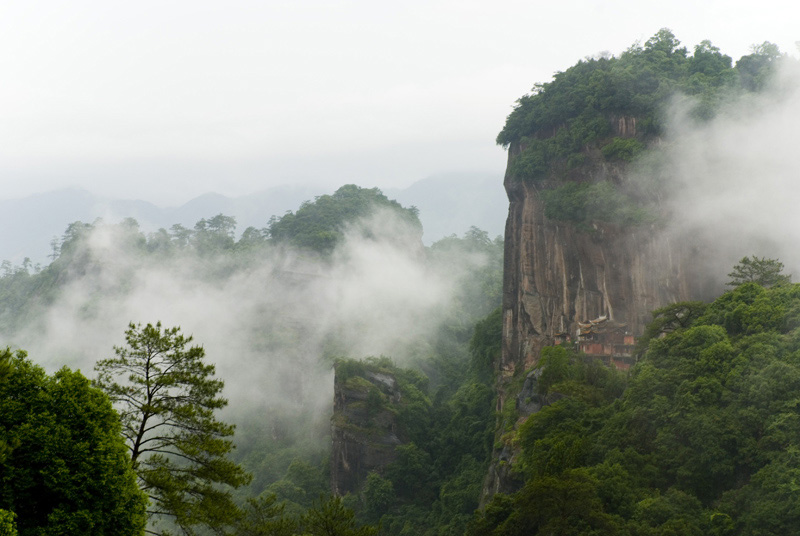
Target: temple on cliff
(604, 339)
(607, 340)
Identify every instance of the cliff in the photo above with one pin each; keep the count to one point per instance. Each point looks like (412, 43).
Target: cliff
(363, 426)
(583, 127)
(558, 274)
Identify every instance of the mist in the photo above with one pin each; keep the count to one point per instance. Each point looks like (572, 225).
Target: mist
(272, 319)
(732, 182)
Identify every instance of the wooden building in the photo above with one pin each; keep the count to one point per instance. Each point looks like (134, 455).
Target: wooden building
(607, 340)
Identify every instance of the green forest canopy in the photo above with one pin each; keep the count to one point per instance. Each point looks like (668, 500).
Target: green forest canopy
(705, 438)
(567, 129)
(450, 422)
(64, 468)
(582, 99)
(319, 225)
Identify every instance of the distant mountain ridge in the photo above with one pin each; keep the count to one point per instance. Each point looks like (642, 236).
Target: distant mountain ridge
(451, 203)
(448, 204)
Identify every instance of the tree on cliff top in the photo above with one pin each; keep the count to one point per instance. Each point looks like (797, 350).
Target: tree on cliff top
(167, 395)
(558, 120)
(765, 272)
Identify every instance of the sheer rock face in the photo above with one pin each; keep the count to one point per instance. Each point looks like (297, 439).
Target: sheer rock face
(557, 275)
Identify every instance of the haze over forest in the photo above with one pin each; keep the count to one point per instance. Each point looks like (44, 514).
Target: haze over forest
(448, 204)
(363, 333)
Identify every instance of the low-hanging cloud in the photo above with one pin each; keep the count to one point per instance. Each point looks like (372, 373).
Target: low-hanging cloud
(271, 321)
(734, 181)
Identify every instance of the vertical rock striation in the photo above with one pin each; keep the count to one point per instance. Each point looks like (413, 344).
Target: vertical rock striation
(556, 275)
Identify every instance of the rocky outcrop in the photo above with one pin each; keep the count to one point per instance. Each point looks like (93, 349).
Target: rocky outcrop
(500, 477)
(363, 427)
(556, 275)
(529, 400)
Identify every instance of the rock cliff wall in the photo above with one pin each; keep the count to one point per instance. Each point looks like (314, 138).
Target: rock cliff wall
(556, 275)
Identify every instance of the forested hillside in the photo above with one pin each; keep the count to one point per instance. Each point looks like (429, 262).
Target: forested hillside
(275, 310)
(702, 440)
(598, 236)
(448, 204)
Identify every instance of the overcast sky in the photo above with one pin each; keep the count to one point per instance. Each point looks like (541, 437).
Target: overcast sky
(167, 100)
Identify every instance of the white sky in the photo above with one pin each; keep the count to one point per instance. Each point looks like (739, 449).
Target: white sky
(167, 100)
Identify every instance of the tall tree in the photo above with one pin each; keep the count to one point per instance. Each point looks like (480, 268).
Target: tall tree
(167, 397)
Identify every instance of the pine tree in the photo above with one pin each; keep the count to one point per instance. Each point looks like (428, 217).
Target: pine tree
(167, 397)
(762, 271)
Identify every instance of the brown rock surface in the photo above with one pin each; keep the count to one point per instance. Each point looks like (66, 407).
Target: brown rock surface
(556, 275)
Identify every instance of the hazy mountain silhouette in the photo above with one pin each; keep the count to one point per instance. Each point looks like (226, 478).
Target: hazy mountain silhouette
(448, 204)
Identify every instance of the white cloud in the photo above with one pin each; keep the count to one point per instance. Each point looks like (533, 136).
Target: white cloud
(736, 178)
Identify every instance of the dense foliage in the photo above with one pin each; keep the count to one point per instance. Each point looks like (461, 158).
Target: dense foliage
(434, 485)
(319, 225)
(448, 415)
(65, 469)
(8, 525)
(704, 440)
(602, 113)
(575, 108)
